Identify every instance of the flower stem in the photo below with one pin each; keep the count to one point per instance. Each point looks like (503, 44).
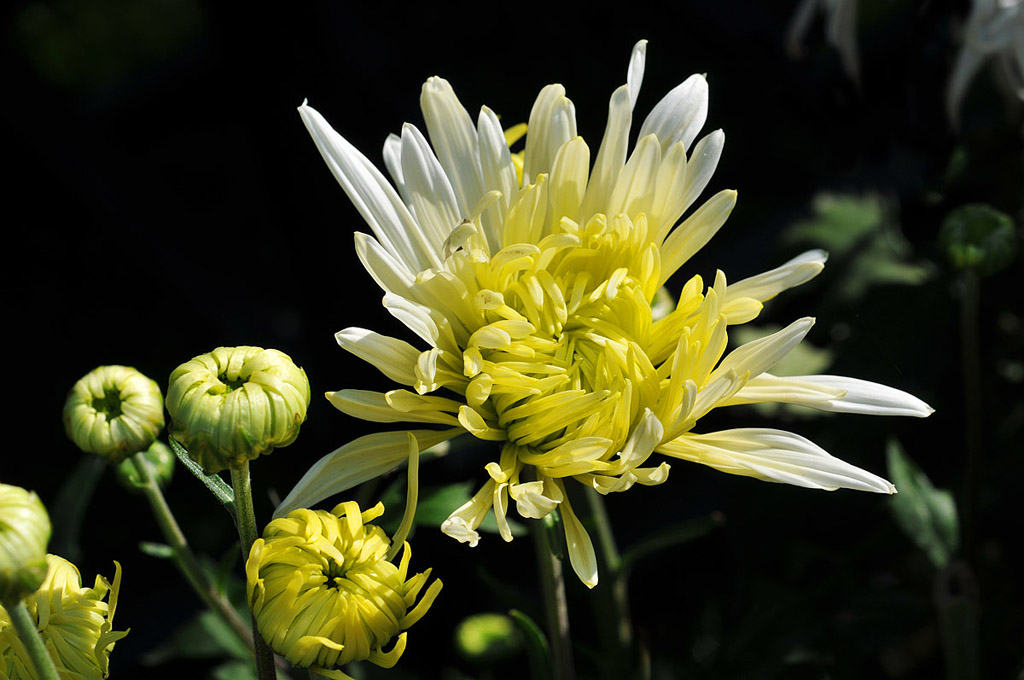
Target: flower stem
(30, 637)
(183, 555)
(556, 609)
(970, 345)
(247, 536)
(620, 618)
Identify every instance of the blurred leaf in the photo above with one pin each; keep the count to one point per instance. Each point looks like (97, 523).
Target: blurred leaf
(537, 649)
(675, 534)
(159, 550)
(217, 486)
(979, 237)
(486, 639)
(205, 636)
(862, 241)
(925, 514)
(234, 670)
(68, 511)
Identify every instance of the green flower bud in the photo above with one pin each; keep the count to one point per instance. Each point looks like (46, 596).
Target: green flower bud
(236, 403)
(114, 411)
(978, 236)
(24, 533)
(76, 624)
(161, 463)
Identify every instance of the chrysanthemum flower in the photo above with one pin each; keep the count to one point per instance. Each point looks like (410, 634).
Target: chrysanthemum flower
(114, 412)
(234, 404)
(76, 625)
(324, 591)
(533, 299)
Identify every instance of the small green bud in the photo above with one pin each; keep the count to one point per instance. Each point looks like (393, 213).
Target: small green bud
(487, 638)
(979, 237)
(24, 533)
(114, 411)
(161, 464)
(236, 403)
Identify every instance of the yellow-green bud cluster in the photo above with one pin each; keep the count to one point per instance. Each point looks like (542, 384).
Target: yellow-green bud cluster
(75, 623)
(323, 592)
(114, 411)
(235, 403)
(24, 533)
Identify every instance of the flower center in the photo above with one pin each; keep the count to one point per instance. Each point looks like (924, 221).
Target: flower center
(109, 404)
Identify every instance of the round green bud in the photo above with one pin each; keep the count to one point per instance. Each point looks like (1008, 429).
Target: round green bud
(979, 237)
(24, 533)
(487, 638)
(161, 464)
(236, 403)
(114, 411)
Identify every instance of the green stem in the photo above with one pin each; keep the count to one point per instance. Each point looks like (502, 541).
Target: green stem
(556, 609)
(247, 536)
(972, 406)
(621, 619)
(30, 637)
(184, 558)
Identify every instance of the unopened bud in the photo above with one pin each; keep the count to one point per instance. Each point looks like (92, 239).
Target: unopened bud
(24, 533)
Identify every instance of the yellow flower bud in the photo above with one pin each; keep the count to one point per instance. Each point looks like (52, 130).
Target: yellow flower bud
(324, 593)
(235, 403)
(24, 533)
(74, 622)
(114, 411)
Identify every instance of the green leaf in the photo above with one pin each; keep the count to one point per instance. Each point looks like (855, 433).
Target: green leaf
(537, 649)
(217, 486)
(925, 514)
(234, 670)
(675, 534)
(159, 550)
(205, 636)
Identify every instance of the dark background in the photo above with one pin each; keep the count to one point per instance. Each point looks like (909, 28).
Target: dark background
(167, 200)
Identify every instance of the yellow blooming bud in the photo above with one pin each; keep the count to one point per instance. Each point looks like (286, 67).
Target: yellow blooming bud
(75, 623)
(114, 411)
(24, 533)
(235, 403)
(161, 463)
(324, 592)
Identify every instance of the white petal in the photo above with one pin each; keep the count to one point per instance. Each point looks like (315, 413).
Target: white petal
(758, 356)
(701, 166)
(763, 287)
(774, 456)
(374, 406)
(355, 463)
(393, 357)
(498, 174)
(552, 124)
(454, 140)
(581, 548)
(863, 396)
(390, 274)
(680, 115)
(612, 154)
(634, 189)
(428, 190)
(393, 162)
(694, 233)
(635, 74)
(415, 316)
(374, 198)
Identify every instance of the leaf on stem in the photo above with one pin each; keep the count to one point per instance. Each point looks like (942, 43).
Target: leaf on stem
(220, 489)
